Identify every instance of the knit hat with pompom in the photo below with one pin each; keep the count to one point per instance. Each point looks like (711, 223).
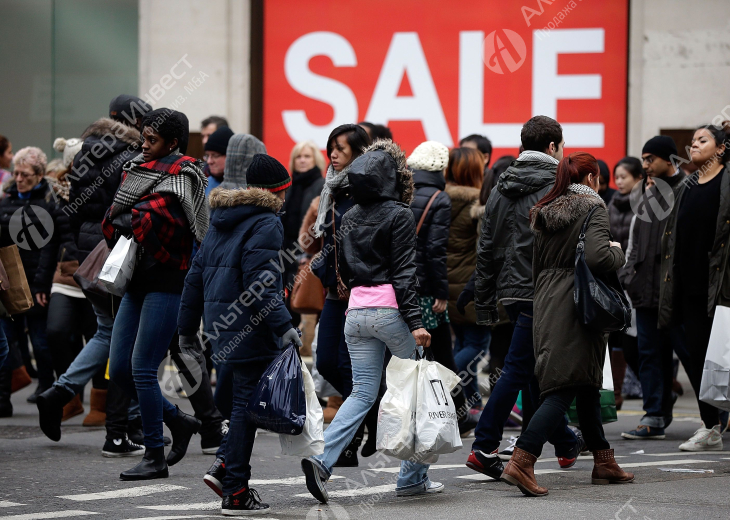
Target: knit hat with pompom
(69, 147)
(430, 156)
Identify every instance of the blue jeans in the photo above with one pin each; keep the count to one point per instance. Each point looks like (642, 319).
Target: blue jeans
(242, 432)
(656, 367)
(471, 346)
(143, 328)
(4, 348)
(35, 320)
(333, 356)
(518, 375)
(369, 332)
(223, 398)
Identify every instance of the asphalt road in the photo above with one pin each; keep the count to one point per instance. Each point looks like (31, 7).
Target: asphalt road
(41, 479)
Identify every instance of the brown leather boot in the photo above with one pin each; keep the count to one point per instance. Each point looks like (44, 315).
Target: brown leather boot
(520, 472)
(607, 471)
(97, 405)
(333, 404)
(72, 408)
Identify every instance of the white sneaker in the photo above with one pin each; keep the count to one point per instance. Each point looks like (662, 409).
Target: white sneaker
(704, 439)
(433, 487)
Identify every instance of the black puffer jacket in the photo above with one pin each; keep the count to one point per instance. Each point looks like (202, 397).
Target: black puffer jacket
(95, 177)
(37, 242)
(434, 235)
(619, 217)
(379, 242)
(504, 257)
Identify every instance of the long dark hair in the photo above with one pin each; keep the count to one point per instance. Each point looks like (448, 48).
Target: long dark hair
(356, 136)
(572, 169)
(721, 134)
(4, 143)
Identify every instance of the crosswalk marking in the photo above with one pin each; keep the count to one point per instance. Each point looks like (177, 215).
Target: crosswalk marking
(683, 454)
(175, 517)
(200, 506)
(6, 503)
(43, 516)
(356, 492)
(289, 481)
(123, 493)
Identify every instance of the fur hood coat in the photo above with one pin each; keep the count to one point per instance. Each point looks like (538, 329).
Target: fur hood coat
(567, 353)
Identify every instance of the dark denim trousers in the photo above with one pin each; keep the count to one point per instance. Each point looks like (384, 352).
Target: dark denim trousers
(471, 346)
(35, 321)
(518, 375)
(143, 328)
(333, 358)
(242, 432)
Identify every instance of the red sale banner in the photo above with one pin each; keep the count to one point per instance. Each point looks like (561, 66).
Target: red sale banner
(439, 71)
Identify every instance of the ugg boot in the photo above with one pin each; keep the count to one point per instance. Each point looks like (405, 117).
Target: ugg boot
(72, 408)
(618, 366)
(21, 379)
(97, 412)
(520, 472)
(333, 404)
(607, 471)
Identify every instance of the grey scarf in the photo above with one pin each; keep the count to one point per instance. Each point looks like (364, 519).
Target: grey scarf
(333, 181)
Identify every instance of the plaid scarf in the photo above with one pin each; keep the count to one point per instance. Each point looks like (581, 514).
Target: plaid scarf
(179, 175)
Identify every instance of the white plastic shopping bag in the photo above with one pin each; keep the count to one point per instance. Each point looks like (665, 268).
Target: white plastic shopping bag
(437, 426)
(118, 269)
(397, 413)
(311, 441)
(715, 386)
(607, 372)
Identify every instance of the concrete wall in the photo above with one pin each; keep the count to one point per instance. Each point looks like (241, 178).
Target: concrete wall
(213, 37)
(679, 65)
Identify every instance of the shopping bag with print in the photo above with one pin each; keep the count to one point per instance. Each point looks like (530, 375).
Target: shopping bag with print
(437, 425)
(311, 440)
(715, 386)
(397, 413)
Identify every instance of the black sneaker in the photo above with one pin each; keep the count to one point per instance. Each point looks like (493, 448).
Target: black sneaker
(210, 442)
(315, 484)
(214, 477)
(244, 503)
(489, 465)
(121, 448)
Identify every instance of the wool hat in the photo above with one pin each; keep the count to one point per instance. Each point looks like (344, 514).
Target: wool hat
(69, 148)
(218, 140)
(126, 105)
(239, 154)
(662, 146)
(267, 173)
(430, 156)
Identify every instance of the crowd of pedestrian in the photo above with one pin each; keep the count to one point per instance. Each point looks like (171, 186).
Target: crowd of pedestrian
(434, 253)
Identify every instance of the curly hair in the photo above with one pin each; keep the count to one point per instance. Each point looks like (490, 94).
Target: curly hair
(32, 156)
(170, 124)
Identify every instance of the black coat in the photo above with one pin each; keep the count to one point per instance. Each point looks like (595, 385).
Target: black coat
(38, 246)
(619, 217)
(379, 233)
(95, 177)
(504, 257)
(434, 235)
(323, 265)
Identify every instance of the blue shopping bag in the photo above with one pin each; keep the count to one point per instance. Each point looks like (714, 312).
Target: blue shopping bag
(279, 403)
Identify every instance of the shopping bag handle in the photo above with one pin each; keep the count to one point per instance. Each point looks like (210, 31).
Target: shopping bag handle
(427, 354)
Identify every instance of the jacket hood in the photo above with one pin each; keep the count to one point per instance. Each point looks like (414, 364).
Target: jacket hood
(466, 195)
(423, 178)
(231, 207)
(564, 211)
(526, 177)
(381, 174)
(622, 202)
(113, 136)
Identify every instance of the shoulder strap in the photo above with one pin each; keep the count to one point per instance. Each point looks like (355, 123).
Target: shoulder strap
(425, 211)
(582, 237)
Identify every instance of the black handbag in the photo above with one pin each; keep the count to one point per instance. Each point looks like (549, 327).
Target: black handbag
(600, 301)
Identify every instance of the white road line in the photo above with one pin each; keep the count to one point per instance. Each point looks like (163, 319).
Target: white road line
(200, 506)
(123, 493)
(5, 503)
(396, 469)
(174, 517)
(53, 514)
(683, 454)
(289, 481)
(357, 492)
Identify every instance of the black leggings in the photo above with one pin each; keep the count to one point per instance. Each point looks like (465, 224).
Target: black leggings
(550, 415)
(442, 353)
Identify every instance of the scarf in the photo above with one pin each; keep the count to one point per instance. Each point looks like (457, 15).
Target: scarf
(293, 211)
(180, 175)
(583, 189)
(333, 181)
(532, 155)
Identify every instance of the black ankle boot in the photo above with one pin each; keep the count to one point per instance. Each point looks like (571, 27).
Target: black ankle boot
(50, 411)
(6, 390)
(153, 465)
(182, 427)
(348, 458)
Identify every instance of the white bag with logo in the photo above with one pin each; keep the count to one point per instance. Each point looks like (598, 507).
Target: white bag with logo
(715, 386)
(117, 271)
(397, 413)
(437, 426)
(311, 441)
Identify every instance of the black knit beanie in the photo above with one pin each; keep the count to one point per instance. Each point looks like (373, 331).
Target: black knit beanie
(267, 173)
(218, 140)
(662, 146)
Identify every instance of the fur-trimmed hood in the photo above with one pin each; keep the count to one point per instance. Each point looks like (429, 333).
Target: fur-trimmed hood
(381, 173)
(231, 207)
(106, 126)
(466, 195)
(564, 211)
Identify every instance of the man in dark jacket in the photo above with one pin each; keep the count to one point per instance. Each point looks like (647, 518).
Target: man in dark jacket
(641, 279)
(235, 284)
(504, 274)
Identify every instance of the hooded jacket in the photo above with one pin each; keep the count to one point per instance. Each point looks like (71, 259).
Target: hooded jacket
(378, 244)
(620, 216)
(95, 177)
(504, 257)
(433, 238)
(567, 353)
(234, 282)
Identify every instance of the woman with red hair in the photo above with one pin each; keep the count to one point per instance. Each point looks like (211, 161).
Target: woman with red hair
(569, 355)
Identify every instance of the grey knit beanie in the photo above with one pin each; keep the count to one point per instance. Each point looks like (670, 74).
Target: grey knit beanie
(239, 154)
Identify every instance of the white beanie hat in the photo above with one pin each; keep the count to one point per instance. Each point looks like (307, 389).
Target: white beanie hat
(431, 156)
(69, 147)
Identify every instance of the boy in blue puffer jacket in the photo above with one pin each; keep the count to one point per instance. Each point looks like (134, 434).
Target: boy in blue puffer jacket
(235, 284)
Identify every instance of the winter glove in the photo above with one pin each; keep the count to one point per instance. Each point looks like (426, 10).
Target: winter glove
(123, 224)
(292, 335)
(190, 346)
(466, 297)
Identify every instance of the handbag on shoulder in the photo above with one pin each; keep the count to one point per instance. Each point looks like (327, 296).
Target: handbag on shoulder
(15, 294)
